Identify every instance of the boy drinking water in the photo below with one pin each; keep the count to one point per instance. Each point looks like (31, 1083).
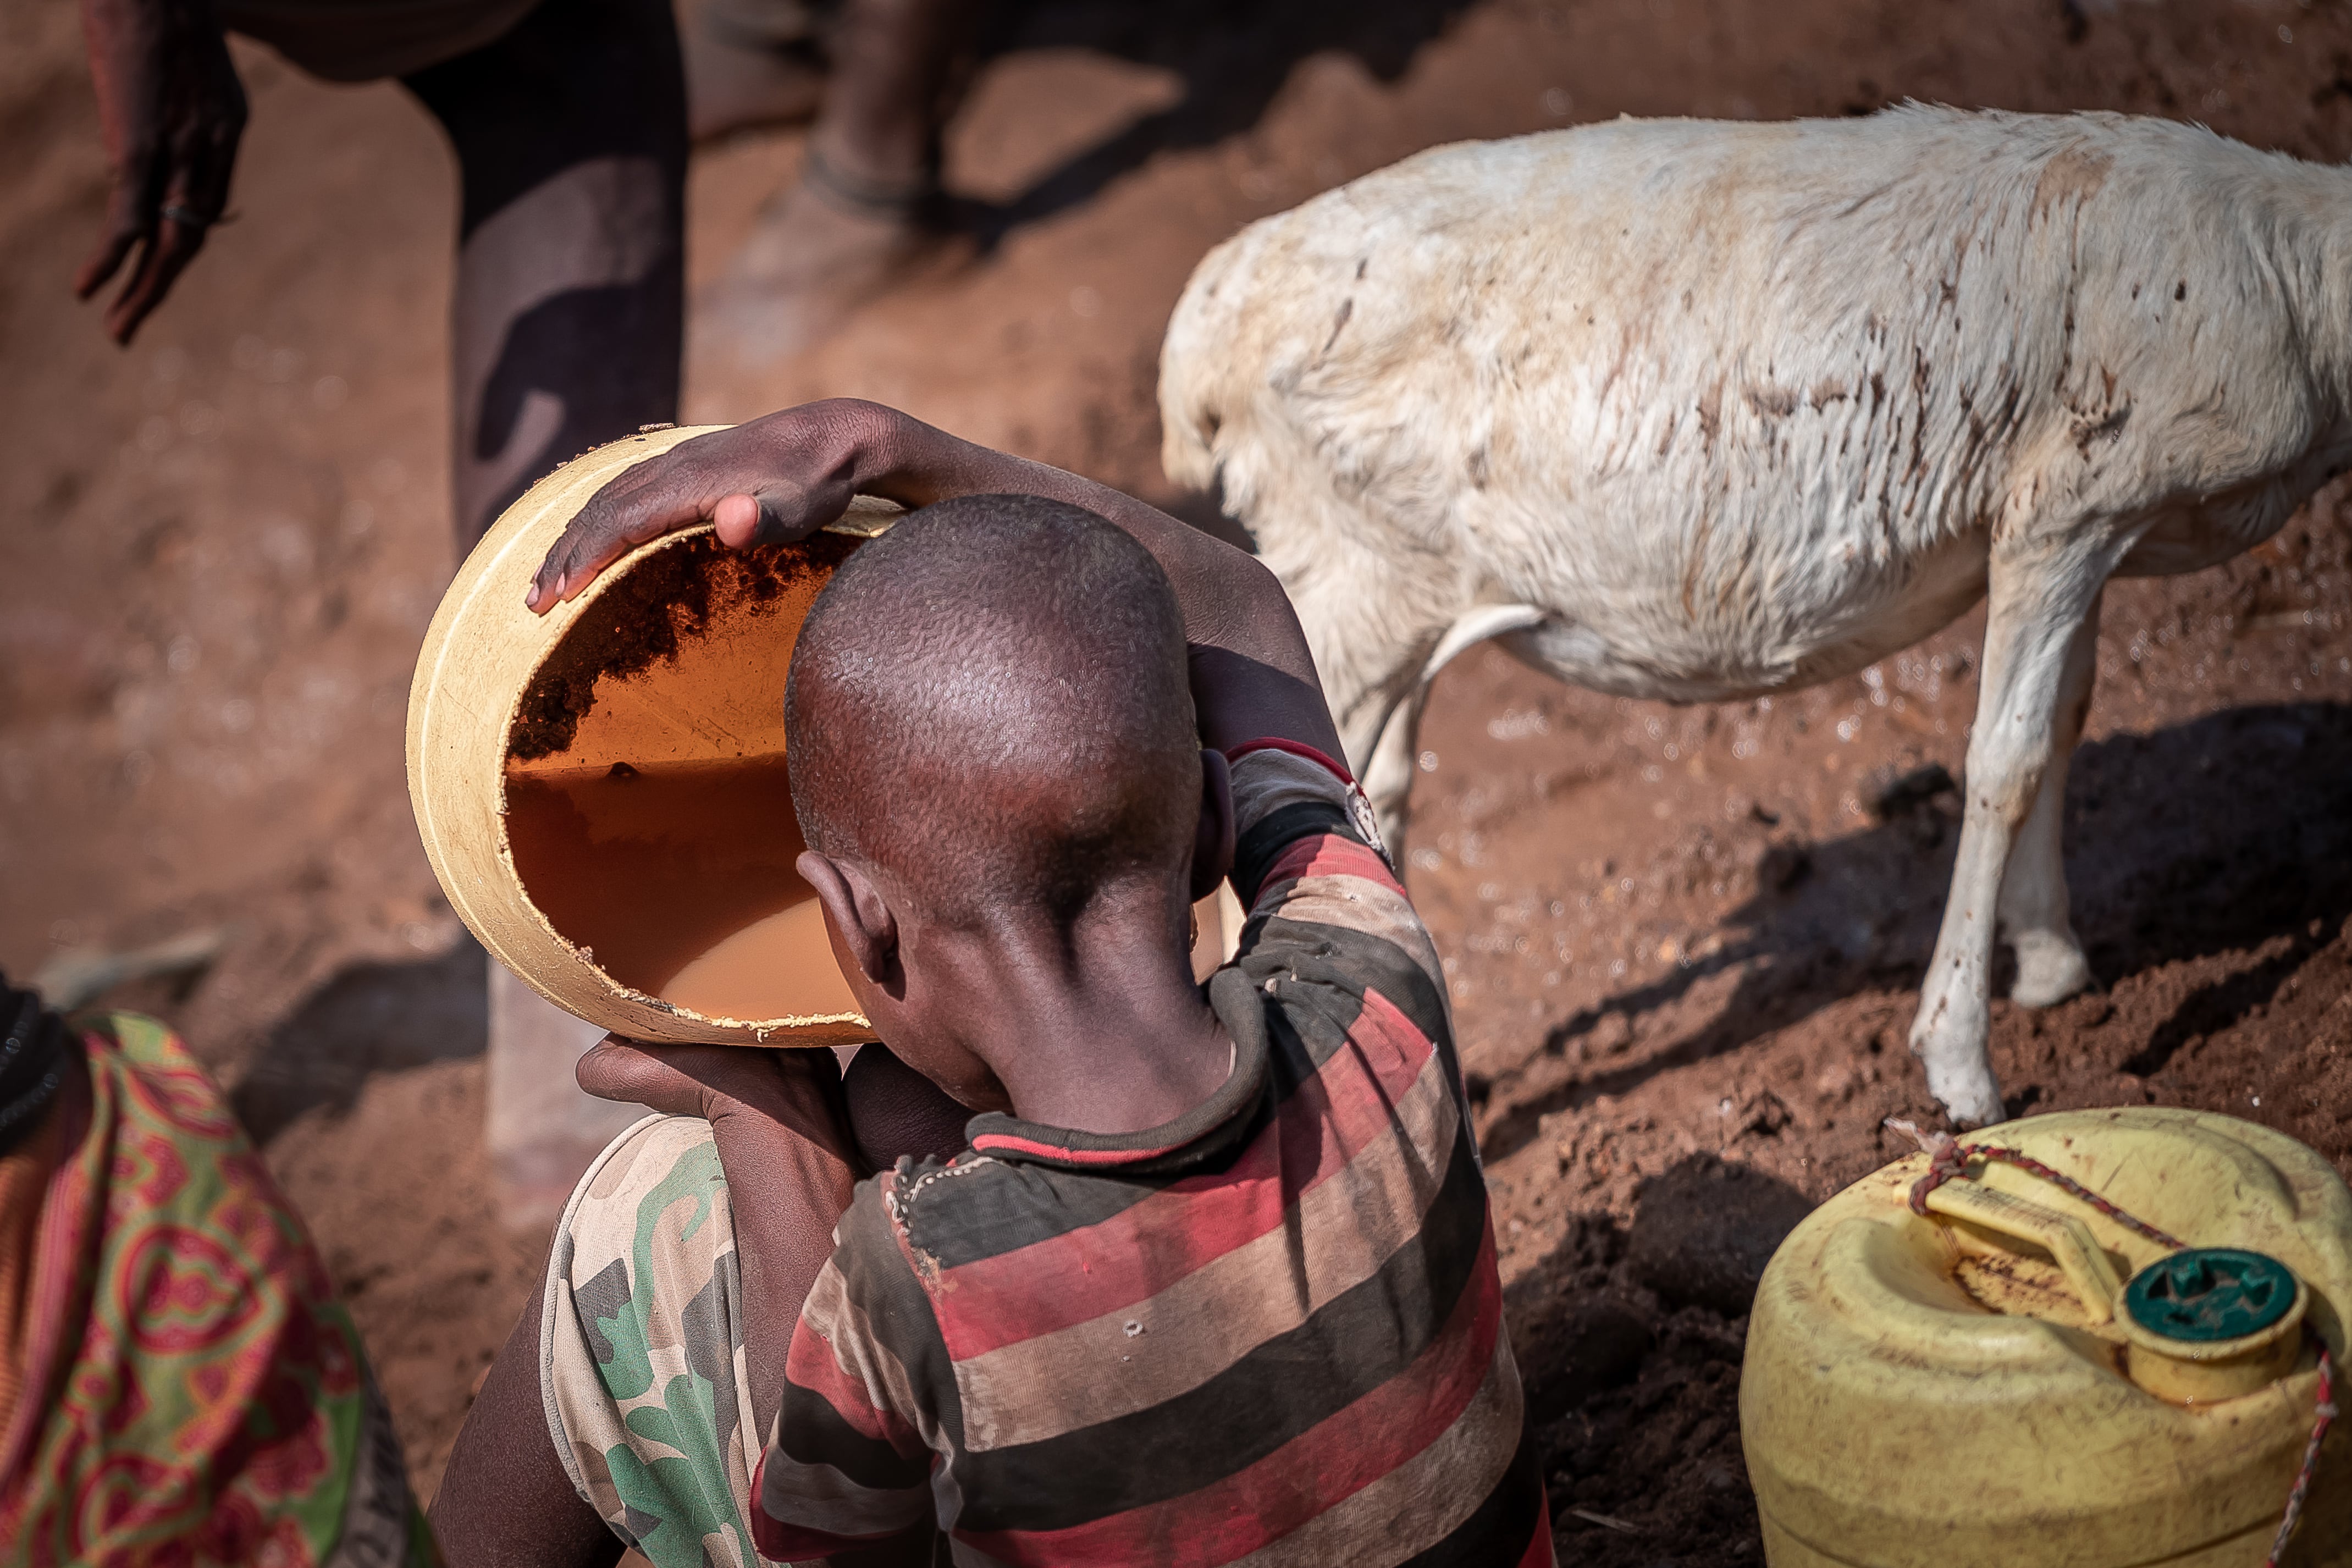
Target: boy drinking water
(1209, 1278)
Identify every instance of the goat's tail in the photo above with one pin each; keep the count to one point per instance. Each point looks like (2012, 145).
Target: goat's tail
(1200, 378)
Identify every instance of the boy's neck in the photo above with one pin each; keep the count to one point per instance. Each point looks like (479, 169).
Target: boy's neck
(1106, 1033)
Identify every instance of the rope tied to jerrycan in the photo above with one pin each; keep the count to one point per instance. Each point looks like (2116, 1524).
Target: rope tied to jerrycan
(1949, 1159)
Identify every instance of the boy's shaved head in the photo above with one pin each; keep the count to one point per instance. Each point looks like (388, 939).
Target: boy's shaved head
(988, 703)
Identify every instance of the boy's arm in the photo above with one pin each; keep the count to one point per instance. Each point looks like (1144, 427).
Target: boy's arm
(846, 1474)
(783, 476)
(776, 1119)
(505, 1501)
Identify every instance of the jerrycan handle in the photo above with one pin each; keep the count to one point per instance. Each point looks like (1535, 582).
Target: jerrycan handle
(2068, 1239)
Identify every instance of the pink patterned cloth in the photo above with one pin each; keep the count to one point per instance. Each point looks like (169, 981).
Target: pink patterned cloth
(193, 1392)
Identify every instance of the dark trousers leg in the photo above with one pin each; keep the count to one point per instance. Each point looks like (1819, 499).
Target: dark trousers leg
(570, 140)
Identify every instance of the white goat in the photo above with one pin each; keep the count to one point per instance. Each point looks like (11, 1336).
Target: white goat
(1692, 411)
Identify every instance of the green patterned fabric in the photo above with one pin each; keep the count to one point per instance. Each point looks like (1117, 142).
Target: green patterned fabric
(641, 1349)
(193, 1395)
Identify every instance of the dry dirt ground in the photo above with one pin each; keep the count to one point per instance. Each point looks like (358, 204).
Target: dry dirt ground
(1684, 942)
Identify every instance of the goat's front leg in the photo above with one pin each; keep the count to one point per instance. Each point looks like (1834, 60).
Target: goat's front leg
(2033, 914)
(2042, 594)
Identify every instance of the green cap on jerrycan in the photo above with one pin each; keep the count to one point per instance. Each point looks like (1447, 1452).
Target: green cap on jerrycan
(2209, 1293)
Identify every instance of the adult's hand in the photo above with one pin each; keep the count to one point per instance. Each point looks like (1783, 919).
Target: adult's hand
(767, 481)
(172, 111)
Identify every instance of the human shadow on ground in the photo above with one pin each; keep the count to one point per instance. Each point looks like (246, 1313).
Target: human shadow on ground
(1629, 1343)
(369, 1018)
(2212, 836)
(1232, 55)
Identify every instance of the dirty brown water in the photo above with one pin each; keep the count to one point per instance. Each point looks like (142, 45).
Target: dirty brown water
(679, 879)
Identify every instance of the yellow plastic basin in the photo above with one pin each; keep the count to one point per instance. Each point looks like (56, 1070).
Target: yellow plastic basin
(601, 790)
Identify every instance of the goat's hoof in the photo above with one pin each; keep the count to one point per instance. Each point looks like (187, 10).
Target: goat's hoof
(1973, 1106)
(1970, 1095)
(2049, 970)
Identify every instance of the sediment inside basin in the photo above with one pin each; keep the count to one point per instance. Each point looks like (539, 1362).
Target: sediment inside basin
(646, 806)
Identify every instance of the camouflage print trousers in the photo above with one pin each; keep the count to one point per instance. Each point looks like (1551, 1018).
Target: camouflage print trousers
(641, 1349)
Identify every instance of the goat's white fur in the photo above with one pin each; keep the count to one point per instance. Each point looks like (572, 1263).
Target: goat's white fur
(1689, 410)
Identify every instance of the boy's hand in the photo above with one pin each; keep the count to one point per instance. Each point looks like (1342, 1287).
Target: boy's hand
(799, 1090)
(788, 475)
(769, 481)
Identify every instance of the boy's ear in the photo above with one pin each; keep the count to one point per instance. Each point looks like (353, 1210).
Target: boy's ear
(866, 925)
(1212, 844)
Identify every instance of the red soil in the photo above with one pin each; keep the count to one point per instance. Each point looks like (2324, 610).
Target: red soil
(1684, 945)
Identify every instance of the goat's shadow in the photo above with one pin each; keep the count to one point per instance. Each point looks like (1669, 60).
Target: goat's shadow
(2212, 836)
(369, 1018)
(1232, 58)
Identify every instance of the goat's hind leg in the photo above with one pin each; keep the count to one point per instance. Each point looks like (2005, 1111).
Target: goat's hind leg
(2032, 908)
(1372, 672)
(2038, 637)
(1396, 756)
(1388, 767)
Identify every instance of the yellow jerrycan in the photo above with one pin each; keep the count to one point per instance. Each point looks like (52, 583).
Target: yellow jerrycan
(2017, 1377)
(601, 790)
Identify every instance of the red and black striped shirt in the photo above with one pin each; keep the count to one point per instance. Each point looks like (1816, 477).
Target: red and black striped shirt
(1270, 1331)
